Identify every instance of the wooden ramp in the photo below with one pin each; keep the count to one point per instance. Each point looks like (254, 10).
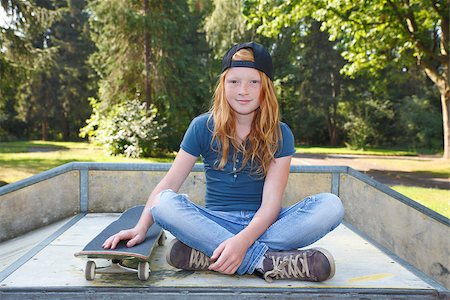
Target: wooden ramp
(41, 264)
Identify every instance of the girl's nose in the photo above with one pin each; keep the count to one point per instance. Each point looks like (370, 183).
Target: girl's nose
(243, 89)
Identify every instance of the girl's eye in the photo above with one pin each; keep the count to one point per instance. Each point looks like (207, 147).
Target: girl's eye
(254, 82)
(233, 81)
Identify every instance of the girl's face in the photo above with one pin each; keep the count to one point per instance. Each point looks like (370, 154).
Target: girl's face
(243, 90)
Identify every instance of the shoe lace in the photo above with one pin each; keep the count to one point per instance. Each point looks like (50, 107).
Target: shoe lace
(288, 267)
(198, 260)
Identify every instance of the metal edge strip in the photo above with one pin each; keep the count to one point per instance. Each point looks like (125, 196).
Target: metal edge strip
(197, 167)
(99, 166)
(335, 181)
(244, 292)
(84, 190)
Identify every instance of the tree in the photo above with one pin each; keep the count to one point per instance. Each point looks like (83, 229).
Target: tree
(373, 33)
(10, 125)
(322, 82)
(148, 51)
(226, 25)
(29, 52)
(47, 45)
(75, 81)
(307, 80)
(22, 40)
(37, 98)
(24, 20)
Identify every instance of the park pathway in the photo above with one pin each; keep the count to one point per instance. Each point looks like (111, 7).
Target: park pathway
(378, 167)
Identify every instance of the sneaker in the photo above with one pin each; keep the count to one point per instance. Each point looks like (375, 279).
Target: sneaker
(183, 257)
(314, 264)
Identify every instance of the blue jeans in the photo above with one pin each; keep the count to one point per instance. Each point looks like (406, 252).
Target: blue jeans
(203, 229)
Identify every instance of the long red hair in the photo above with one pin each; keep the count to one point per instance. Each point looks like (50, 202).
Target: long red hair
(265, 132)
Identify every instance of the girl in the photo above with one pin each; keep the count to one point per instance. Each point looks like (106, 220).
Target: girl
(246, 152)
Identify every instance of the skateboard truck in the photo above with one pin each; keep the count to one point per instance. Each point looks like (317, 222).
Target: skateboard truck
(143, 270)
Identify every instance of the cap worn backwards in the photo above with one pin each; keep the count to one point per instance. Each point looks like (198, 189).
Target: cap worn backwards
(263, 60)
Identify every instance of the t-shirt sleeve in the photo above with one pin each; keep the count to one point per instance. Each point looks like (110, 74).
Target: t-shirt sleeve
(192, 140)
(287, 146)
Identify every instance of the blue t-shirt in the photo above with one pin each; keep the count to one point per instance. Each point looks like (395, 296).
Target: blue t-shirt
(230, 188)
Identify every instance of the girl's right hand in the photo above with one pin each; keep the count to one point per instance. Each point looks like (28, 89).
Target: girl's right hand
(133, 235)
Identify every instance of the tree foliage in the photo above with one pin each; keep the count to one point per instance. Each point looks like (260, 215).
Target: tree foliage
(20, 56)
(373, 34)
(177, 68)
(46, 45)
(149, 66)
(226, 25)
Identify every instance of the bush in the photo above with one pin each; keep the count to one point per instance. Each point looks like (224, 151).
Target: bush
(366, 122)
(358, 132)
(421, 124)
(127, 128)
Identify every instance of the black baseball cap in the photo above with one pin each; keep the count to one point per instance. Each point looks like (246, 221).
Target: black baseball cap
(263, 60)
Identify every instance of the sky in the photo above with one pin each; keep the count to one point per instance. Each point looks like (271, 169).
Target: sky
(2, 17)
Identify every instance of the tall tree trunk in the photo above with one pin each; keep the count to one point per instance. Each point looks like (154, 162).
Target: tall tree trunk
(44, 129)
(430, 60)
(332, 131)
(332, 127)
(147, 53)
(65, 127)
(441, 82)
(445, 100)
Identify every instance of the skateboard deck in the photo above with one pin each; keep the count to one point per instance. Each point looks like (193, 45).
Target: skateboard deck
(141, 252)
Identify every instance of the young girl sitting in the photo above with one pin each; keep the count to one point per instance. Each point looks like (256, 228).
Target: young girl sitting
(246, 151)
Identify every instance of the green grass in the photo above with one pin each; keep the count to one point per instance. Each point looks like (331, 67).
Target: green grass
(344, 150)
(19, 160)
(435, 199)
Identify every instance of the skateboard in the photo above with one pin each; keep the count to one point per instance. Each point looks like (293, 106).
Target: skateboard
(139, 253)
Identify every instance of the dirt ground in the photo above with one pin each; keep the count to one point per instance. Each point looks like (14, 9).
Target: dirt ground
(408, 171)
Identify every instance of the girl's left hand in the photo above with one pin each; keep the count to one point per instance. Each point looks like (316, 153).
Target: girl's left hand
(229, 255)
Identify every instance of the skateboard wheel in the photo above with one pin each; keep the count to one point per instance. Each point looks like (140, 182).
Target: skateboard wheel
(162, 239)
(89, 271)
(143, 270)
